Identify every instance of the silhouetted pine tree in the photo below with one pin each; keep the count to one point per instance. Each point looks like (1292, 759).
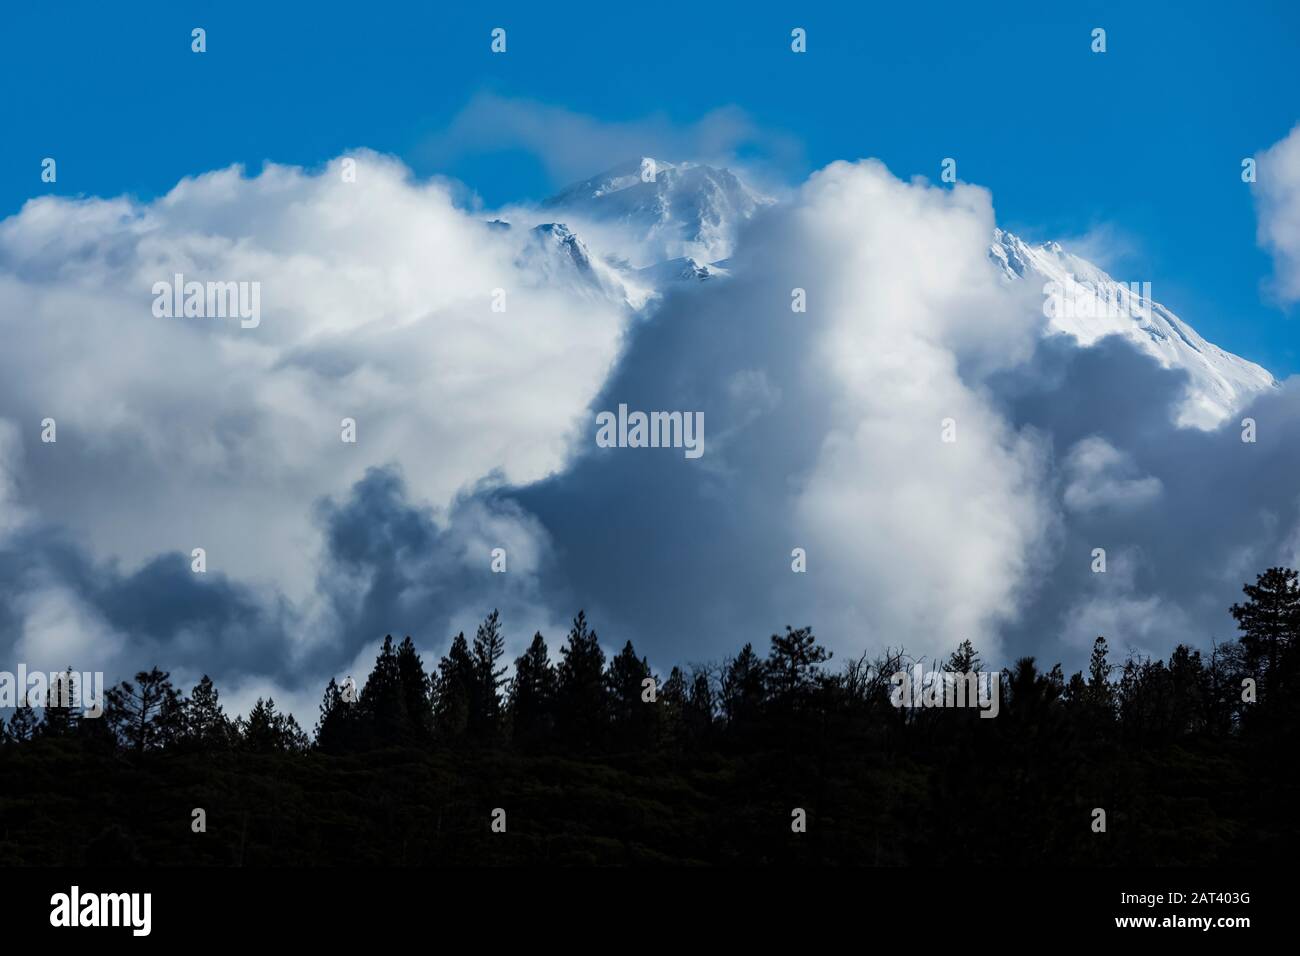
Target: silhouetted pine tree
(1142, 684)
(744, 681)
(1188, 689)
(582, 710)
(1076, 690)
(416, 691)
(23, 725)
(485, 701)
(206, 727)
(337, 728)
(145, 715)
(1224, 678)
(267, 731)
(257, 731)
(957, 670)
(634, 720)
(1031, 695)
(1098, 711)
(532, 695)
(1269, 621)
(293, 739)
(673, 699)
(700, 708)
(61, 717)
(964, 660)
(793, 664)
(454, 690)
(382, 701)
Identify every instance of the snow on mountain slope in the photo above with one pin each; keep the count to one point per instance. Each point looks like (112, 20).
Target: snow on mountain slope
(555, 256)
(554, 251)
(684, 268)
(684, 210)
(1086, 303)
(680, 224)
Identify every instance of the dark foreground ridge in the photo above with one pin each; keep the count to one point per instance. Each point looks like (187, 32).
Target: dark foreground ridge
(1191, 760)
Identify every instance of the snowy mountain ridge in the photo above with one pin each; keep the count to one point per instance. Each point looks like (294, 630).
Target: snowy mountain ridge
(681, 210)
(663, 224)
(1083, 301)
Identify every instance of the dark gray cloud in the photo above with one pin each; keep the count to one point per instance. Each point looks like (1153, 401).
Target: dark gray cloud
(1225, 509)
(394, 566)
(161, 613)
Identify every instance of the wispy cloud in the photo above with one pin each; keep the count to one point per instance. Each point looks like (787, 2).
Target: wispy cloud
(574, 145)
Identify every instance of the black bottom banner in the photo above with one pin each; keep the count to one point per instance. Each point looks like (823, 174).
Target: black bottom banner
(812, 905)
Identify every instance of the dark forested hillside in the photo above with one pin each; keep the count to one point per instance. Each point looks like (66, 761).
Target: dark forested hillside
(775, 755)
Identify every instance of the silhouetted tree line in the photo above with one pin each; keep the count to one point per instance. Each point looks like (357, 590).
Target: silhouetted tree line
(1185, 753)
(149, 715)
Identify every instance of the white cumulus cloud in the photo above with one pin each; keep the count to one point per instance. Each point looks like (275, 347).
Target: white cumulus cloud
(1277, 194)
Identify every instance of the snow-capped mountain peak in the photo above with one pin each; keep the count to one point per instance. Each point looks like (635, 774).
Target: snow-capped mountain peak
(556, 256)
(1083, 301)
(677, 210)
(681, 269)
(654, 224)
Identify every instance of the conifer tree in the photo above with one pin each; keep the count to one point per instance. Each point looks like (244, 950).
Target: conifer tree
(532, 694)
(624, 677)
(1224, 675)
(415, 685)
(582, 705)
(634, 720)
(485, 701)
(268, 731)
(292, 738)
(23, 725)
(206, 727)
(793, 663)
(699, 707)
(1269, 619)
(335, 729)
(743, 683)
(1188, 690)
(258, 729)
(964, 660)
(61, 717)
(1101, 694)
(382, 701)
(145, 715)
(674, 698)
(454, 690)
(1076, 689)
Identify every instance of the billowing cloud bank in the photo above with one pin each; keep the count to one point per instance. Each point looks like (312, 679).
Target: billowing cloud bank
(824, 431)
(825, 434)
(376, 304)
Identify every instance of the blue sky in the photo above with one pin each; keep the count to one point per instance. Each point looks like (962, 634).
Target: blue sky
(1145, 140)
